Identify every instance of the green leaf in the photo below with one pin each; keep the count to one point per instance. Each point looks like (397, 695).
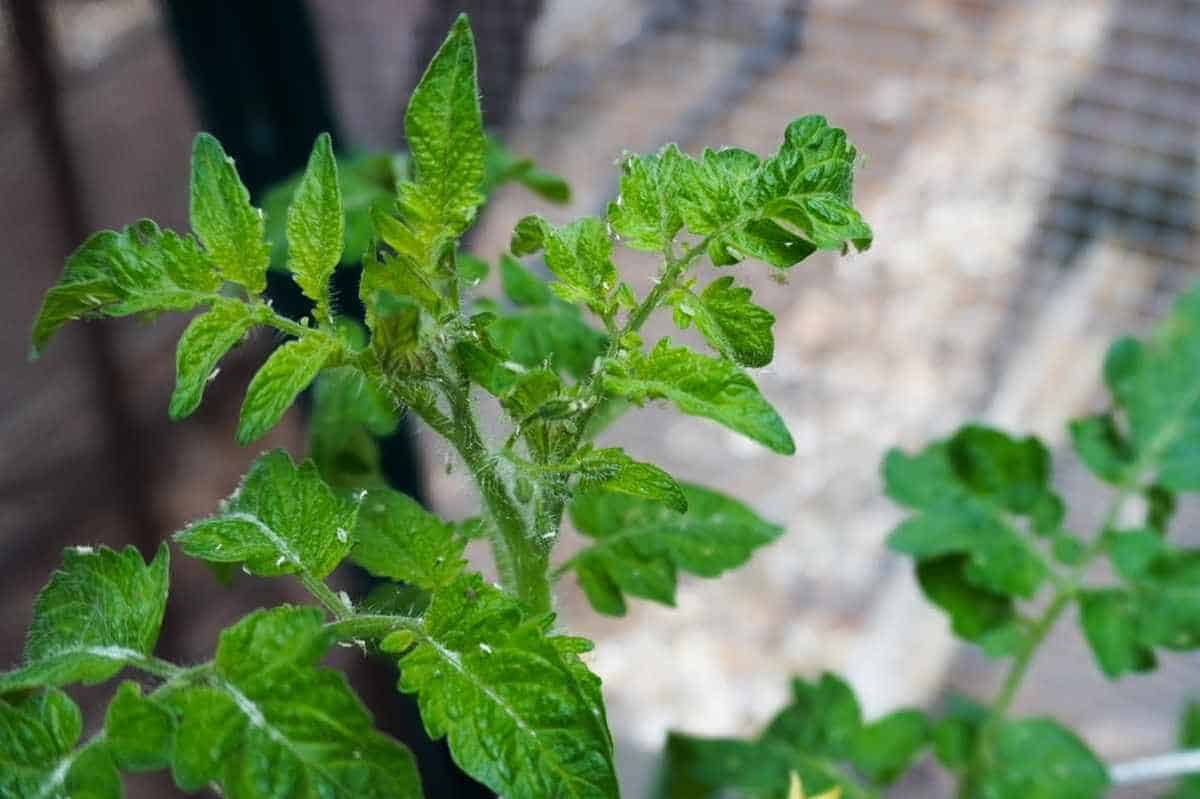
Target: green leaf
(553, 332)
(1109, 618)
(700, 386)
(444, 127)
(280, 380)
(734, 326)
(471, 270)
(645, 215)
(823, 718)
(38, 759)
(1100, 445)
(282, 519)
(101, 610)
(639, 543)
(579, 255)
(273, 725)
(1039, 759)
(501, 166)
(1189, 738)
(708, 768)
(521, 286)
(1156, 385)
(348, 410)
(1167, 597)
(205, 341)
(970, 491)
(886, 748)
(398, 539)
(139, 733)
(230, 228)
(955, 733)
(613, 470)
(976, 614)
(316, 226)
(138, 270)
(522, 713)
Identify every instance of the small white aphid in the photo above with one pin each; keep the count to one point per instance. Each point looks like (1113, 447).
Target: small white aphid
(484, 648)
(342, 535)
(84, 550)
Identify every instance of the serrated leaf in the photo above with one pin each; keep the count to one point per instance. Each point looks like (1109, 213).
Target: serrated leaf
(139, 733)
(639, 543)
(316, 225)
(205, 341)
(280, 380)
(1039, 759)
(730, 322)
(886, 748)
(230, 228)
(579, 255)
(101, 610)
(444, 127)
(645, 215)
(398, 539)
(1156, 385)
(701, 386)
(969, 491)
(1109, 618)
(613, 470)
(282, 519)
(273, 725)
(38, 759)
(140, 269)
(523, 715)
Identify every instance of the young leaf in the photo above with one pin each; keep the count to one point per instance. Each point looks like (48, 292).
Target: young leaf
(398, 539)
(444, 127)
(38, 735)
(282, 519)
(230, 228)
(734, 326)
(348, 410)
(316, 226)
(207, 338)
(639, 543)
(100, 611)
(1156, 385)
(966, 489)
(139, 733)
(579, 255)
(613, 470)
(646, 214)
(1039, 759)
(522, 713)
(280, 380)
(273, 725)
(700, 386)
(140, 269)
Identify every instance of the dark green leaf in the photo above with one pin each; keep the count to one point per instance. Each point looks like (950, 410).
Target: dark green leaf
(398, 539)
(101, 610)
(954, 734)
(138, 270)
(885, 749)
(1101, 446)
(282, 519)
(640, 543)
(823, 719)
(280, 380)
(522, 713)
(201, 347)
(521, 286)
(709, 768)
(222, 216)
(38, 735)
(734, 326)
(139, 733)
(700, 386)
(274, 726)
(976, 614)
(501, 166)
(348, 410)
(316, 225)
(1109, 618)
(554, 332)
(1039, 759)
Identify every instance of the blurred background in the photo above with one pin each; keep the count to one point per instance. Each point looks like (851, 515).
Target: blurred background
(1031, 174)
